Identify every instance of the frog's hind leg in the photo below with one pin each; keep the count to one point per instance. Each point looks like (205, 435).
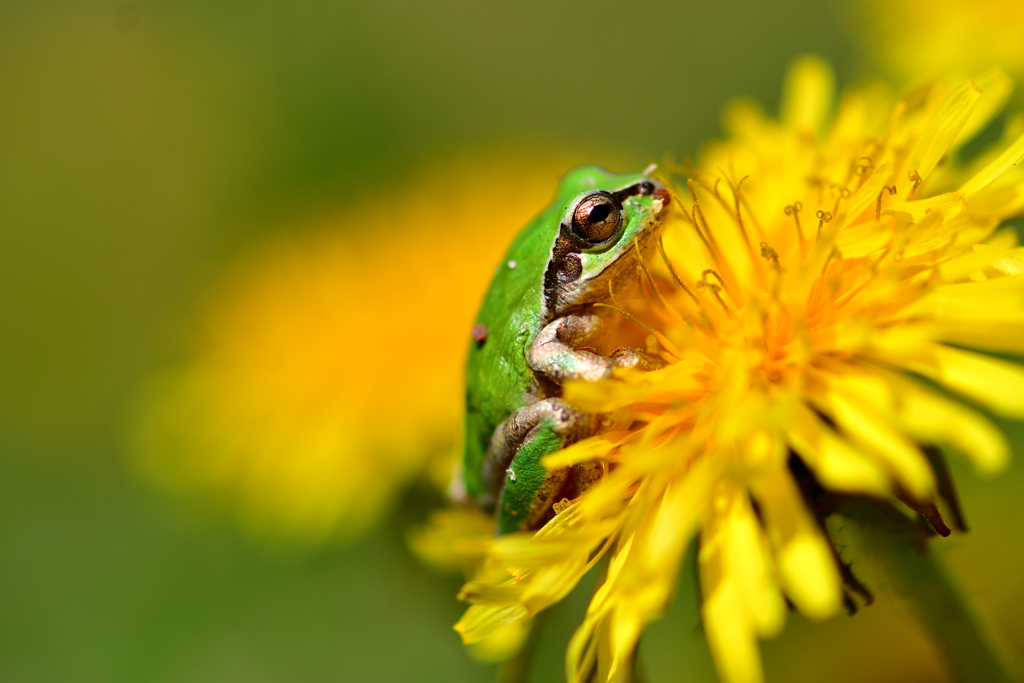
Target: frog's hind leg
(524, 488)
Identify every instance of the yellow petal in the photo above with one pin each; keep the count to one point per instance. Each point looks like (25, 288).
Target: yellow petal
(943, 128)
(996, 88)
(588, 449)
(480, 622)
(730, 631)
(624, 630)
(807, 95)
(805, 559)
(985, 314)
(868, 193)
(602, 601)
(834, 461)
(994, 383)
(748, 559)
(980, 257)
(949, 204)
(678, 516)
(863, 239)
(863, 424)
(453, 538)
(1005, 336)
(744, 118)
(485, 592)
(502, 644)
(553, 582)
(1012, 263)
(583, 648)
(631, 387)
(931, 418)
(1010, 157)
(525, 551)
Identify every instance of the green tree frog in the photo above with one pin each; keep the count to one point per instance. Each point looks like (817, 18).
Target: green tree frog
(530, 336)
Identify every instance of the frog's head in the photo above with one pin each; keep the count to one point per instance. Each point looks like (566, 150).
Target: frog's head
(604, 217)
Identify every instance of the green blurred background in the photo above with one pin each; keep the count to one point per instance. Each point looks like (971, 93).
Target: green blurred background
(145, 145)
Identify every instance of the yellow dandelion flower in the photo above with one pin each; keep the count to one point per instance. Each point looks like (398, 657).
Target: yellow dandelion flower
(306, 405)
(818, 288)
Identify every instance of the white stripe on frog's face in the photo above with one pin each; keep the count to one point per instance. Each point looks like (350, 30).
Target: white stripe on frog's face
(511, 474)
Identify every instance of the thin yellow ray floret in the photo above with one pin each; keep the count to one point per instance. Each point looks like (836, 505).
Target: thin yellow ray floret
(996, 88)
(1002, 164)
(482, 621)
(868, 193)
(807, 565)
(996, 384)
(837, 464)
(942, 129)
(808, 95)
(731, 623)
(865, 425)
(599, 446)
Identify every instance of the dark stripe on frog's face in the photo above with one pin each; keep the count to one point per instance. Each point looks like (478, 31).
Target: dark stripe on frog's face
(583, 260)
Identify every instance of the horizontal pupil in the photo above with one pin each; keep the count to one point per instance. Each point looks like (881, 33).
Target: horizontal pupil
(599, 213)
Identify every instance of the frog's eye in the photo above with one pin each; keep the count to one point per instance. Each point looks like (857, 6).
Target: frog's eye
(596, 218)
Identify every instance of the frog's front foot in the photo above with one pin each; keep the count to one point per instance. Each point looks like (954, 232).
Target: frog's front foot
(557, 353)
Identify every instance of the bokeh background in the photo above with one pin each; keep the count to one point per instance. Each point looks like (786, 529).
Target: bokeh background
(275, 188)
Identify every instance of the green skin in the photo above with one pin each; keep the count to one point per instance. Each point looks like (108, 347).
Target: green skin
(536, 316)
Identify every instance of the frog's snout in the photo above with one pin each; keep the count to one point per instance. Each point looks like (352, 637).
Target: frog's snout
(647, 188)
(662, 198)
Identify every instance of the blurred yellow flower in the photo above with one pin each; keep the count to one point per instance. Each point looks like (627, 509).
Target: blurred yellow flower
(817, 268)
(328, 368)
(911, 37)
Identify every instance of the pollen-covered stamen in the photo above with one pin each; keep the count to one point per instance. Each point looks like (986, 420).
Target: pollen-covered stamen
(666, 345)
(704, 325)
(721, 280)
(915, 178)
(833, 255)
(769, 253)
(739, 216)
(823, 218)
(644, 271)
(715, 289)
(707, 236)
(841, 194)
(863, 168)
(700, 233)
(878, 204)
(675, 275)
(794, 210)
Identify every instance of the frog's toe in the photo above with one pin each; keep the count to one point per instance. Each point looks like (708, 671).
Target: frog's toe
(627, 357)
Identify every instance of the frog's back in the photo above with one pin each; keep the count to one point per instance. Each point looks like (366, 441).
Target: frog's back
(497, 376)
